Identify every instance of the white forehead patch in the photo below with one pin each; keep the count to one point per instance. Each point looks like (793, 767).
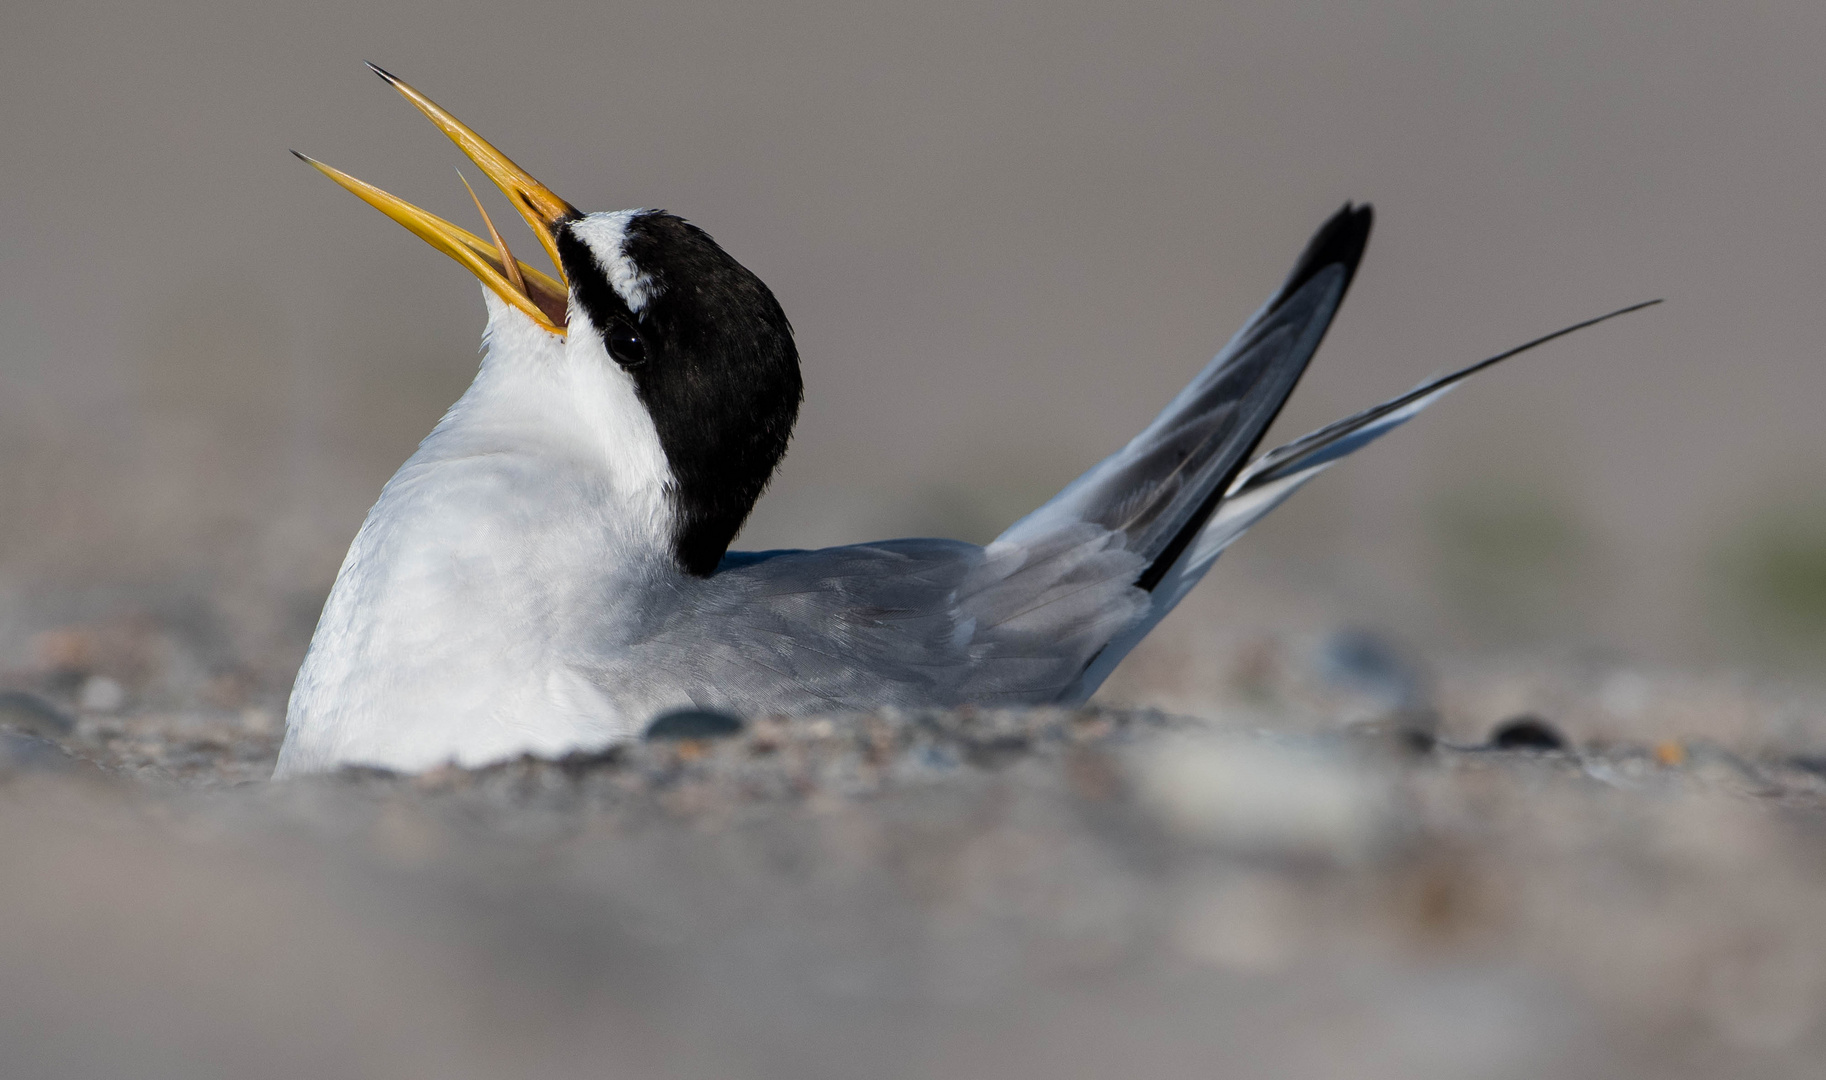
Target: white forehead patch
(606, 234)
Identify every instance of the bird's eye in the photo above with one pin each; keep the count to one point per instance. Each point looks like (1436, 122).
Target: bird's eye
(626, 346)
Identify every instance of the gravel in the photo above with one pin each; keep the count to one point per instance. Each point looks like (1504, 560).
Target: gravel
(1289, 883)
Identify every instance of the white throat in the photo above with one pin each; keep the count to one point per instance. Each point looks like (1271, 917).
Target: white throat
(520, 536)
(537, 393)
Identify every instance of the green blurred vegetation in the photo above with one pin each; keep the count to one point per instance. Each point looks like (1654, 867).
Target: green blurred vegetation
(1512, 560)
(1769, 584)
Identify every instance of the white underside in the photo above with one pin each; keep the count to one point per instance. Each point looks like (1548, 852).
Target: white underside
(495, 563)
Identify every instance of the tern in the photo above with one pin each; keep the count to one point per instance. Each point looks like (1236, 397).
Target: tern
(551, 569)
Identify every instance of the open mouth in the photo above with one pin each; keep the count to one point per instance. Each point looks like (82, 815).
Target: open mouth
(542, 297)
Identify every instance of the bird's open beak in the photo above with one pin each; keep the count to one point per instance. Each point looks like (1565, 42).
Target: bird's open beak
(539, 295)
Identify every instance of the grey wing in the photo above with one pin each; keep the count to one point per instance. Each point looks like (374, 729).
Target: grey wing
(908, 623)
(840, 628)
(1045, 612)
(1160, 489)
(1157, 495)
(934, 622)
(1268, 481)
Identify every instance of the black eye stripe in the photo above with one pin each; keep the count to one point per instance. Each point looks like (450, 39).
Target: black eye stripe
(712, 361)
(604, 306)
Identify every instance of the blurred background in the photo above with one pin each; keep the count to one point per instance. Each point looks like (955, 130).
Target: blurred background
(1006, 236)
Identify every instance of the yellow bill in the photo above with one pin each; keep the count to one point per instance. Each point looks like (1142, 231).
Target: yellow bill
(538, 294)
(538, 204)
(541, 297)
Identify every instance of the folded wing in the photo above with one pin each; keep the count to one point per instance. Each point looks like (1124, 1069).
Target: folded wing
(1047, 610)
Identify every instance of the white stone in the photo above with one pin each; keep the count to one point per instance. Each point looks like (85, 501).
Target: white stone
(1264, 797)
(101, 694)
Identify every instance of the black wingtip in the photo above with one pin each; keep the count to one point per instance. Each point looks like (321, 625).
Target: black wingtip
(1340, 241)
(381, 71)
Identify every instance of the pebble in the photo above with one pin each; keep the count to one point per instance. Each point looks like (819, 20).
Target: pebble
(30, 753)
(101, 694)
(1527, 733)
(29, 713)
(682, 724)
(1365, 662)
(1266, 798)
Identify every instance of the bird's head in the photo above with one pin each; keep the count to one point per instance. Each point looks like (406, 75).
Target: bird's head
(702, 340)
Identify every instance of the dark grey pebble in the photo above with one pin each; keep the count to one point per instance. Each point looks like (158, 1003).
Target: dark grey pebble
(1412, 733)
(693, 724)
(27, 712)
(1366, 662)
(1526, 733)
(1813, 763)
(29, 753)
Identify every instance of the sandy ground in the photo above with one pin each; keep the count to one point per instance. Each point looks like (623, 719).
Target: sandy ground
(1327, 871)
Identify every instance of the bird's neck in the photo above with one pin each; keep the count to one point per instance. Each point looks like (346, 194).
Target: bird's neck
(532, 527)
(545, 484)
(566, 424)
(566, 394)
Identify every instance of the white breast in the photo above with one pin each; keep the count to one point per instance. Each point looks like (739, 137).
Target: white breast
(530, 528)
